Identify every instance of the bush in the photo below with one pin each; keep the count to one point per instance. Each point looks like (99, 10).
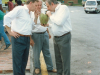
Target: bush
(70, 2)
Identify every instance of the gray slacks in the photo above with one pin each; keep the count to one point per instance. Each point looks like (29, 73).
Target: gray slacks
(20, 52)
(62, 47)
(41, 43)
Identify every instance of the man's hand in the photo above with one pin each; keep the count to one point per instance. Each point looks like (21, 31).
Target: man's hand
(45, 25)
(48, 33)
(49, 36)
(48, 13)
(14, 34)
(36, 13)
(31, 42)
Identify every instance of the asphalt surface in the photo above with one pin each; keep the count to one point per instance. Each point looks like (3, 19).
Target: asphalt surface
(85, 53)
(85, 56)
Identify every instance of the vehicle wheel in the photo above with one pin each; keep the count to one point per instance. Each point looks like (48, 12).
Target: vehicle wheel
(85, 11)
(88, 12)
(97, 11)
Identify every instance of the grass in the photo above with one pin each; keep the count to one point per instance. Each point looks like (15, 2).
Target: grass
(79, 1)
(79, 4)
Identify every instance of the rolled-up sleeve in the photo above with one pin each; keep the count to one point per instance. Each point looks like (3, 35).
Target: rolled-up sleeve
(61, 16)
(11, 16)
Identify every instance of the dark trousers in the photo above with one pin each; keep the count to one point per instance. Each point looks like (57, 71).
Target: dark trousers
(20, 52)
(62, 47)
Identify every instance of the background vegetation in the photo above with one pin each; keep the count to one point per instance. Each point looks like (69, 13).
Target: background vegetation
(3, 1)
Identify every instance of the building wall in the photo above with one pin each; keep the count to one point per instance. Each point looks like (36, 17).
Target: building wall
(75, 1)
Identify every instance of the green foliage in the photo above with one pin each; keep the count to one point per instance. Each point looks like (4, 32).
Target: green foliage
(60, 0)
(70, 2)
(79, 1)
(3, 1)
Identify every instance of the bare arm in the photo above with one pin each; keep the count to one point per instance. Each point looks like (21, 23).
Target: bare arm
(12, 33)
(1, 7)
(49, 34)
(31, 41)
(47, 30)
(35, 20)
(8, 6)
(36, 13)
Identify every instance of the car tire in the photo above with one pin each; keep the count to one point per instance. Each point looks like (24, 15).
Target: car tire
(85, 11)
(97, 11)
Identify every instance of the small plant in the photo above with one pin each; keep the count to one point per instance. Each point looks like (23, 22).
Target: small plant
(70, 3)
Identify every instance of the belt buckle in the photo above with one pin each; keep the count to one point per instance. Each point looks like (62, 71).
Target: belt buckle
(26, 35)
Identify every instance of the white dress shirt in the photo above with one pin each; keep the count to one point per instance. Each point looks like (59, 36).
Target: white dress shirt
(38, 28)
(0, 1)
(60, 20)
(19, 20)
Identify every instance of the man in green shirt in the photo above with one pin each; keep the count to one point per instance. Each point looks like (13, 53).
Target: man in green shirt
(2, 32)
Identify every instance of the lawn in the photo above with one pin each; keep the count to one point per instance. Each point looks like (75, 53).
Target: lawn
(3, 1)
(79, 4)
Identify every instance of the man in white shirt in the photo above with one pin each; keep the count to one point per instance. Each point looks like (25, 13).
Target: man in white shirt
(61, 29)
(18, 23)
(41, 40)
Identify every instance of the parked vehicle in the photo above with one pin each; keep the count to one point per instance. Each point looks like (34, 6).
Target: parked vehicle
(92, 6)
(83, 2)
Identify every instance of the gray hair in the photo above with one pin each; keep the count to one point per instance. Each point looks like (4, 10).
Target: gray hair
(28, 1)
(52, 1)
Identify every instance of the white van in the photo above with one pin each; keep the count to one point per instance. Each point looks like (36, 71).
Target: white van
(92, 6)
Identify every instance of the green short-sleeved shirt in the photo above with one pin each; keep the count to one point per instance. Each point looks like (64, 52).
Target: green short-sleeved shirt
(1, 15)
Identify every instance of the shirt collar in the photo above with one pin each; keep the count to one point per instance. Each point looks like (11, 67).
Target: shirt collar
(26, 8)
(58, 6)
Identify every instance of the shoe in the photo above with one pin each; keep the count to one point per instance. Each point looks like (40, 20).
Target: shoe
(54, 71)
(37, 71)
(7, 46)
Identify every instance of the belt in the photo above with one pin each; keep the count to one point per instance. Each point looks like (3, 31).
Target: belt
(62, 35)
(24, 35)
(40, 32)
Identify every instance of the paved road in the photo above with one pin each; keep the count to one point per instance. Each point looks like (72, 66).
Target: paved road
(85, 56)
(85, 53)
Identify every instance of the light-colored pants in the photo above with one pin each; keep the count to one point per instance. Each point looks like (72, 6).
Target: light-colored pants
(41, 43)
